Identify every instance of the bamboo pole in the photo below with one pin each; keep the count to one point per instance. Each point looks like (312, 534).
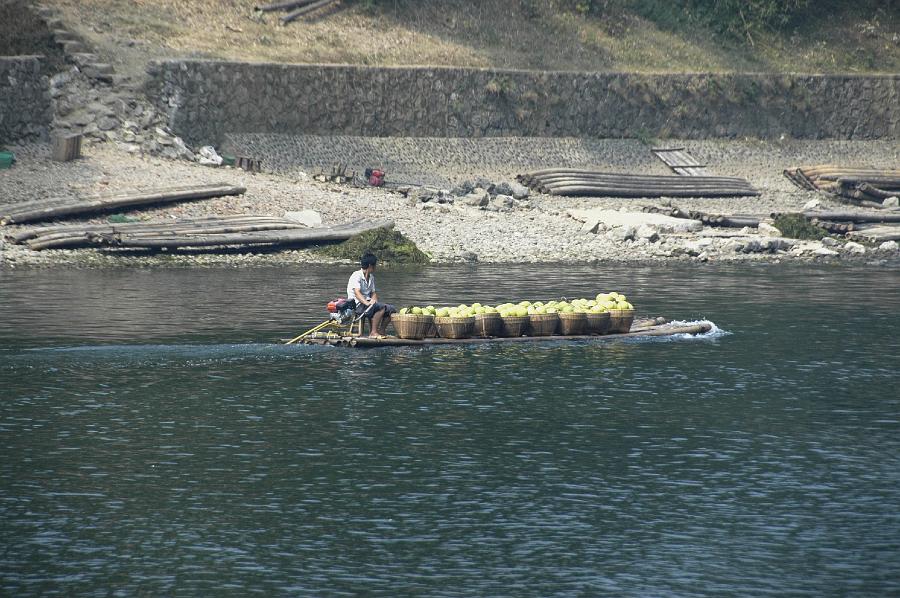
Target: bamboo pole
(290, 4)
(597, 191)
(885, 216)
(685, 181)
(305, 9)
(577, 173)
(35, 232)
(113, 237)
(278, 237)
(108, 202)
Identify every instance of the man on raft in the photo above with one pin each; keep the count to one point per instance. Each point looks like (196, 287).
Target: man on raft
(361, 287)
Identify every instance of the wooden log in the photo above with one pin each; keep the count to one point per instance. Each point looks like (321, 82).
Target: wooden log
(304, 10)
(99, 203)
(66, 147)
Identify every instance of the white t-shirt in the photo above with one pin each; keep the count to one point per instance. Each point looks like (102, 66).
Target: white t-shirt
(358, 281)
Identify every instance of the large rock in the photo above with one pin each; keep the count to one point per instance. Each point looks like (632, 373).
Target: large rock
(812, 204)
(462, 189)
(888, 247)
(768, 230)
(824, 252)
(891, 202)
(518, 190)
(620, 234)
(854, 248)
(309, 218)
(647, 233)
(423, 194)
(503, 202)
(477, 199)
(659, 223)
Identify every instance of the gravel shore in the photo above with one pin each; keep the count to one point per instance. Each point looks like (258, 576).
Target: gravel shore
(536, 229)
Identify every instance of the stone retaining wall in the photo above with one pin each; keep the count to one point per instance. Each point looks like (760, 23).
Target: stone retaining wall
(25, 112)
(205, 100)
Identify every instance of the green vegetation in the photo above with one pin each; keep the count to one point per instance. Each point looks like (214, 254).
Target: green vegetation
(388, 244)
(796, 226)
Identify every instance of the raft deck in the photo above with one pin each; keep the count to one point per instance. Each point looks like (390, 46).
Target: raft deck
(658, 327)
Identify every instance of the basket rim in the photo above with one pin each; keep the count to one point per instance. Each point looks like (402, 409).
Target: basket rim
(453, 320)
(543, 316)
(570, 314)
(410, 316)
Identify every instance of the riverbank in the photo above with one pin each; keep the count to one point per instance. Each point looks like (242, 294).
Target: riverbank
(536, 229)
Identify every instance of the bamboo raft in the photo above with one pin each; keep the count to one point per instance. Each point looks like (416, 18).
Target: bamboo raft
(217, 231)
(644, 328)
(589, 183)
(865, 187)
(60, 207)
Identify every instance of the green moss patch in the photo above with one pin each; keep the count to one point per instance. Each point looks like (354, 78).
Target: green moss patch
(389, 245)
(796, 226)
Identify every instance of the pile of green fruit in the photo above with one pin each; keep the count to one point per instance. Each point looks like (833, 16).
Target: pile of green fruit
(459, 311)
(601, 303)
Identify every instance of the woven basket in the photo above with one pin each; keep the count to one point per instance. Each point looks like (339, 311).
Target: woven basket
(488, 325)
(572, 324)
(455, 327)
(411, 326)
(514, 325)
(597, 323)
(543, 324)
(620, 320)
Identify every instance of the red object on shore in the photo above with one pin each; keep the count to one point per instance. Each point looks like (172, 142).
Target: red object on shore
(376, 178)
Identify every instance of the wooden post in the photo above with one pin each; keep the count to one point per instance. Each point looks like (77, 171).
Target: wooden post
(249, 164)
(66, 147)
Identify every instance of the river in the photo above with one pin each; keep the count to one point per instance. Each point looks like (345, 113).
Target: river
(156, 440)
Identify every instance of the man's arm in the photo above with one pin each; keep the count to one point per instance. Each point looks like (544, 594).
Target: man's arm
(361, 299)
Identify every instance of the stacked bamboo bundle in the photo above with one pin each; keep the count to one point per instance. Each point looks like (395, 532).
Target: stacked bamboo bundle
(57, 207)
(868, 187)
(196, 232)
(589, 183)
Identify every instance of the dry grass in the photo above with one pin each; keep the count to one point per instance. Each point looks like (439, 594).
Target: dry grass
(487, 33)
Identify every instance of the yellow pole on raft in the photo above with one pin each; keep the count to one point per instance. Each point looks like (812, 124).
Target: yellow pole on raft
(312, 330)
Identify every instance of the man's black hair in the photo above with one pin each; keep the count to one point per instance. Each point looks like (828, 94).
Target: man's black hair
(368, 259)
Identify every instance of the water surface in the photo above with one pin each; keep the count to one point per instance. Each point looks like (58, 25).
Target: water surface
(156, 440)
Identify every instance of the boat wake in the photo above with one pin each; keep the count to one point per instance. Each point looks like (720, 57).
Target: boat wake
(713, 333)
